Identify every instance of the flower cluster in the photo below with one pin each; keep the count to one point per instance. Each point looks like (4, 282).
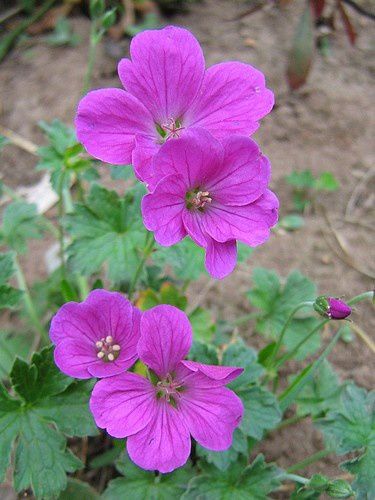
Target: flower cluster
(104, 336)
(186, 131)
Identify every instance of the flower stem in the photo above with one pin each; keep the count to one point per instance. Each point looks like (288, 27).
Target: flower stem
(290, 421)
(149, 244)
(284, 329)
(29, 305)
(295, 478)
(362, 296)
(309, 460)
(91, 58)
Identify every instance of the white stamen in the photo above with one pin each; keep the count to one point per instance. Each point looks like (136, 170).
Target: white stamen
(109, 339)
(111, 357)
(100, 355)
(99, 344)
(116, 347)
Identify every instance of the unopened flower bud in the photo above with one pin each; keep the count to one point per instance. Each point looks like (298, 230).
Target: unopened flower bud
(332, 308)
(339, 489)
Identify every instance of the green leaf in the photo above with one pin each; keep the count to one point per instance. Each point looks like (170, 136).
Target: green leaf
(78, 490)
(239, 354)
(122, 172)
(223, 459)
(9, 296)
(186, 259)
(301, 55)
(143, 485)
(301, 179)
(20, 223)
(63, 34)
(262, 412)
(352, 428)
(40, 379)
(12, 345)
(204, 353)
(50, 406)
(42, 459)
(326, 182)
(253, 482)
(69, 410)
(107, 230)
(276, 303)
(291, 222)
(203, 325)
(321, 394)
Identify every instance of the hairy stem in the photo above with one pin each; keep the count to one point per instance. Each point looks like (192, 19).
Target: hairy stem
(149, 245)
(308, 461)
(91, 58)
(29, 305)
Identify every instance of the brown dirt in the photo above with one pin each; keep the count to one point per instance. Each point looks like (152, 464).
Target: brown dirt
(325, 126)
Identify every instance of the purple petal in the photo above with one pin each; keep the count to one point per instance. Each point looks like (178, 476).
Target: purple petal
(245, 173)
(123, 404)
(164, 444)
(162, 210)
(211, 415)
(193, 222)
(145, 149)
(74, 358)
(195, 156)
(221, 258)
(165, 71)
(232, 100)
(249, 223)
(221, 374)
(166, 337)
(107, 121)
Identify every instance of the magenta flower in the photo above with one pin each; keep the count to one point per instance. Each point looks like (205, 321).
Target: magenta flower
(97, 337)
(214, 192)
(332, 308)
(167, 91)
(185, 398)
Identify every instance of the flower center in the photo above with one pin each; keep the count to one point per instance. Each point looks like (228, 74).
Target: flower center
(171, 129)
(197, 199)
(169, 389)
(107, 350)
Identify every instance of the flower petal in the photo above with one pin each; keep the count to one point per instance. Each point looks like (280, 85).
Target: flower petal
(107, 121)
(162, 210)
(245, 173)
(249, 223)
(221, 258)
(74, 358)
(192, 220)
(123, 404)
(195, 156)
(166, 337)
(221, 374)
(145, 149)
(232, 100)
(165, 71)
(164, 444)
(211, 415)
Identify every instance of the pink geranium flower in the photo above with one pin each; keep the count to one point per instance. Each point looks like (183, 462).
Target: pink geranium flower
(185, 398)
(167, 91)
(214, 192)
(97, 337)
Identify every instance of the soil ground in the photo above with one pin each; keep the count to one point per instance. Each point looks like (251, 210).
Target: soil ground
(326, 126)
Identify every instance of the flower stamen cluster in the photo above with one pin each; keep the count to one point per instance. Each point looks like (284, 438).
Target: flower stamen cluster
(197, 199)
(107, 350)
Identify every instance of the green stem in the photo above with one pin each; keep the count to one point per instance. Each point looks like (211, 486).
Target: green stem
(244, 319)
(360, 297)
(308, 461)
(292, 353)
(60, 226)
(91, 58)
(30, 308)
(149, 244)
(295, 478)
(290, 421)
(284, 329)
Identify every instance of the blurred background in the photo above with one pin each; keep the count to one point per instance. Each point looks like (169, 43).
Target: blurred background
(318, 58)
